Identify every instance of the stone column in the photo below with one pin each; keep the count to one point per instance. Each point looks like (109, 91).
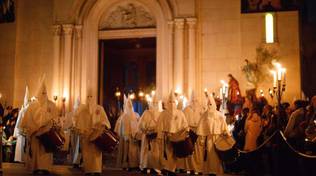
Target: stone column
(171, 49)
(77, 62)
(178, 72)
(191, 54)
(56, 67)
(68, 30)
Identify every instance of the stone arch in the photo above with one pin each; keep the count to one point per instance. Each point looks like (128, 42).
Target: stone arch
(90, 15)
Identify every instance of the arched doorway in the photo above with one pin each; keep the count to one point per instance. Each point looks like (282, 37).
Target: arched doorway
(91, 34)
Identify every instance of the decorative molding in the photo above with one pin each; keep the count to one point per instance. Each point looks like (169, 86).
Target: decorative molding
(68, 29)
(126, 16)
(191, 22)
(56, 30)
(179, 23)
(127, 33)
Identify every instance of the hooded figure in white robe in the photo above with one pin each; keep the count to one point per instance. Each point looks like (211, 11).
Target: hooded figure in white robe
(127, 128)
(38, 119)
(211, 126)
(149, 154)
(91, 120)
(193, 114)
(19, 155)
(171, 123)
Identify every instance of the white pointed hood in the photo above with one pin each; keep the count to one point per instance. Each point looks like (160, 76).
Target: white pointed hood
(211, 123)
(41, 94)
(91, 102)
(129, 107)
(154, 104)
(26, 97)
(171, 103)
(211, 104)
(193, 112)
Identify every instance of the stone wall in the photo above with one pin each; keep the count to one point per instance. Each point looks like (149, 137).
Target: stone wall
(225, 37)
(7, 60)
(34, 46)
(229, 37)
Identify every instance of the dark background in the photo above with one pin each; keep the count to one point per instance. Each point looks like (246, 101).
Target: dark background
(308, 46)
(129, 65)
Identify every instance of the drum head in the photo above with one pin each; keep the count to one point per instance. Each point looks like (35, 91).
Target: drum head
(224, 143)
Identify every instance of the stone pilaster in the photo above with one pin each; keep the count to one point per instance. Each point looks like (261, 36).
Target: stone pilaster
(68, 33)
(178, 55)
(191, 22)
(56, 29)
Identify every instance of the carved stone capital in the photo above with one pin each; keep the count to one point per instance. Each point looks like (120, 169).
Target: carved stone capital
(78, 31)
(68, 29)
(191, 22)
(56, 30)
(179, 23)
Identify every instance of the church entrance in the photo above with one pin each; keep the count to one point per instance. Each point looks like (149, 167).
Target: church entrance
(126, 66)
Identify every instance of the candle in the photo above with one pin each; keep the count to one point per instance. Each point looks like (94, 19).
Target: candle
(221, 93)
(132, 96)
(279, 74)
(284, 76)
(141, 94)
(274, 78)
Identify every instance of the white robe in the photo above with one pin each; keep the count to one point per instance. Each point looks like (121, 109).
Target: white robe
(38, 120)
(211, 126)
(149, 153)
(19, 155)
(91, 124)
(168, 125)
(128, 151)
(193, 116)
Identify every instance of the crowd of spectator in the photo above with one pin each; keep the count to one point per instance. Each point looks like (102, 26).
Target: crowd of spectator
(8, 117)
(255, 128)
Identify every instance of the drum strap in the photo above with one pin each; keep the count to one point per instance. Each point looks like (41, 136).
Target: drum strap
(164, 147)
(205, 149)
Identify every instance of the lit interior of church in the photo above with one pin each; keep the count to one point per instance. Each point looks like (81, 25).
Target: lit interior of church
(158, 87)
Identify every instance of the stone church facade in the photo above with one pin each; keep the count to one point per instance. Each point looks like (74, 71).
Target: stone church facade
(199, 42)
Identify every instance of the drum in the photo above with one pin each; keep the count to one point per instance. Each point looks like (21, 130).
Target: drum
(225, 149)
(182, 144)
(107, 141)
(182, 149)
(52, 140)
